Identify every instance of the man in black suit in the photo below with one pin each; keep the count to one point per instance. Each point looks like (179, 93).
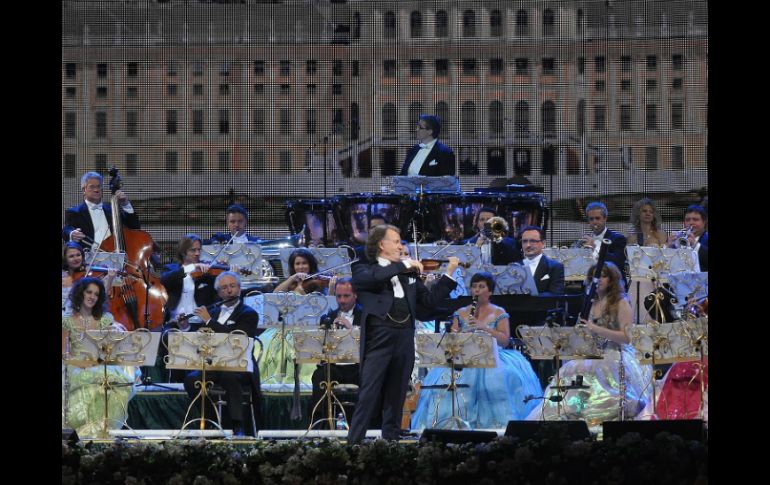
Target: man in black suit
(231, 315)
(237, 220)
(548, 273)
(429, 156)
(390, 294)
(596, 212)
(346, 315)
(696, 218)
(91, 221)
(498, 253)
(185, 294)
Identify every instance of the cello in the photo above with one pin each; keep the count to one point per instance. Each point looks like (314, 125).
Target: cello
(139, 300)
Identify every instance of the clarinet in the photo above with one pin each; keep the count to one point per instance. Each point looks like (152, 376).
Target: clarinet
(474, 307)
(622, 386)
(594, 284)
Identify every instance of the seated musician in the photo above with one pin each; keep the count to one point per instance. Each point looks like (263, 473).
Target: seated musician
(498, 253)
(610, 319)
(91, 221)
(429, 156)
(547, 273)
(374, 221)
(237, 220)
(73, 268)
(232, 315)
(302, 264)
(347, 314)
(695, 224)
(494, 396)
(596, 214)
(646, 224)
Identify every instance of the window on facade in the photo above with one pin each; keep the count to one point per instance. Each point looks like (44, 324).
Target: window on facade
(70, 125)
(677, 62)
(285, 68)
(522, 23)
(132, 163)
(285, 161)
(101, 124)
(442, 24)
(197, 89)
(676, 83)
(652, 84)
(259, 89)
(172, 162)
(625, 117)
(496, 24)
(171, 69)
(100, 160)
(625, 63)
(389, 68)
(259, 68)
(310, 121)
(171, 122)
(132, 119)
(548, 65)
(442, 111)
(101, 92)
(337, 68)
(468, 119)
(285, 89)
(196, 162)
(132, 69)
(354, 68)
(521, 117)
(652, 63)
(415, 25)
(600, 118)
(442, 67)
(336, 89)
(581, 117)
(549, 20)
(171, 89)
(599, 64)
(224, 121)
(338, 123)
(677, 157)
(469, 24)
(389, 22)
(651, 117)
(223, 161)
(69, 91)
(548, 116)
(258, 161)
(625, 85)
(224, 69)
(101, 70)
(677, 116)
(285, 121)
(600, 85)
(651, 158)
(522, 65)
(224, 89)
(70, 70)
(495, 67)
(311, 88)
(389, 120)
(496, 115)
(581, 65)
(415, 67)
(197, 68)
(469, 67)
(259, 121)
(197, 121)
(311, 67)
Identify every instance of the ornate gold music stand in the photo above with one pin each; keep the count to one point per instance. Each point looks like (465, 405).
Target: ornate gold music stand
(558, 344)
(455, 350)
(207, 351)
(109, 347)
(331, 347)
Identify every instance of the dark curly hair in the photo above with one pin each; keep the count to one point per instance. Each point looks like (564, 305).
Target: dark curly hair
(78, 292)
(305, 253)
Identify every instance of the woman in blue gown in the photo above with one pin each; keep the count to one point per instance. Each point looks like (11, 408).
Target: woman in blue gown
(495, 395)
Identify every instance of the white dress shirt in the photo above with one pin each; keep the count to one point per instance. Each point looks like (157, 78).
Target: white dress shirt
(226, 312)
(187, 300)
(419, 158)
(532, 263)
(99, 220)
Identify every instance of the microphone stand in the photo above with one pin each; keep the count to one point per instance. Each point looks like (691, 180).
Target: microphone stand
(326, 142)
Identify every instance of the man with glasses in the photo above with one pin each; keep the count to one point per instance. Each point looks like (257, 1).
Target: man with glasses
(91, 221)
(548, 273)
(429, 156)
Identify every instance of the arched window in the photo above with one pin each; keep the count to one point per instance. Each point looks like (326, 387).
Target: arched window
(496, 119)
(548, 22)
(581, 117)
(496, 24)
(356, 25)
(522, 23)
(390, 25)
(442, 111)
(389, 121)
(580, 19)
(354, 121)
(521, 117)
(415, 109)
(548, 118)
(468, 119)
(469, 24)
(415, 25)
(442, 24)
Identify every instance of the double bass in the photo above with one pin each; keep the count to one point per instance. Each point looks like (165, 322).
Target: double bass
(139, 300)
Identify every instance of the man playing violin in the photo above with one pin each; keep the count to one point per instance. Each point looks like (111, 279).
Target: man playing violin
(231, 315)
(186, 293)
(91, 221)
(237, 220)
(390, 295)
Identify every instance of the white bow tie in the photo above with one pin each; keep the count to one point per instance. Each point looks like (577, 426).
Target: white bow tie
(96, 207)
(423, 145)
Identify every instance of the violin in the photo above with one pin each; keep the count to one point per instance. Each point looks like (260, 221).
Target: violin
(435, 264)
(217, 269)
(316, 283)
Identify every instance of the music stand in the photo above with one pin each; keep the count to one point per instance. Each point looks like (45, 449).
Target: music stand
(455, 350)
(576, 261)
(207, 351)
(667, 343)
(325, 257)
(284, 311)
(557, 344)
(418, 184)
(246, 256)
(332, 347)
(107, 347)
(512, 279)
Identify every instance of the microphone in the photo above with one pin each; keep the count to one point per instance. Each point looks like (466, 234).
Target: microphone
(447, 329)
(326, 322)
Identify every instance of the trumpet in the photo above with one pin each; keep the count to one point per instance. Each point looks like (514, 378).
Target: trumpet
(682, 237)
(496, 228)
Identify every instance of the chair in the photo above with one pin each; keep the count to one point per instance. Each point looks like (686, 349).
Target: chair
(246, 393)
